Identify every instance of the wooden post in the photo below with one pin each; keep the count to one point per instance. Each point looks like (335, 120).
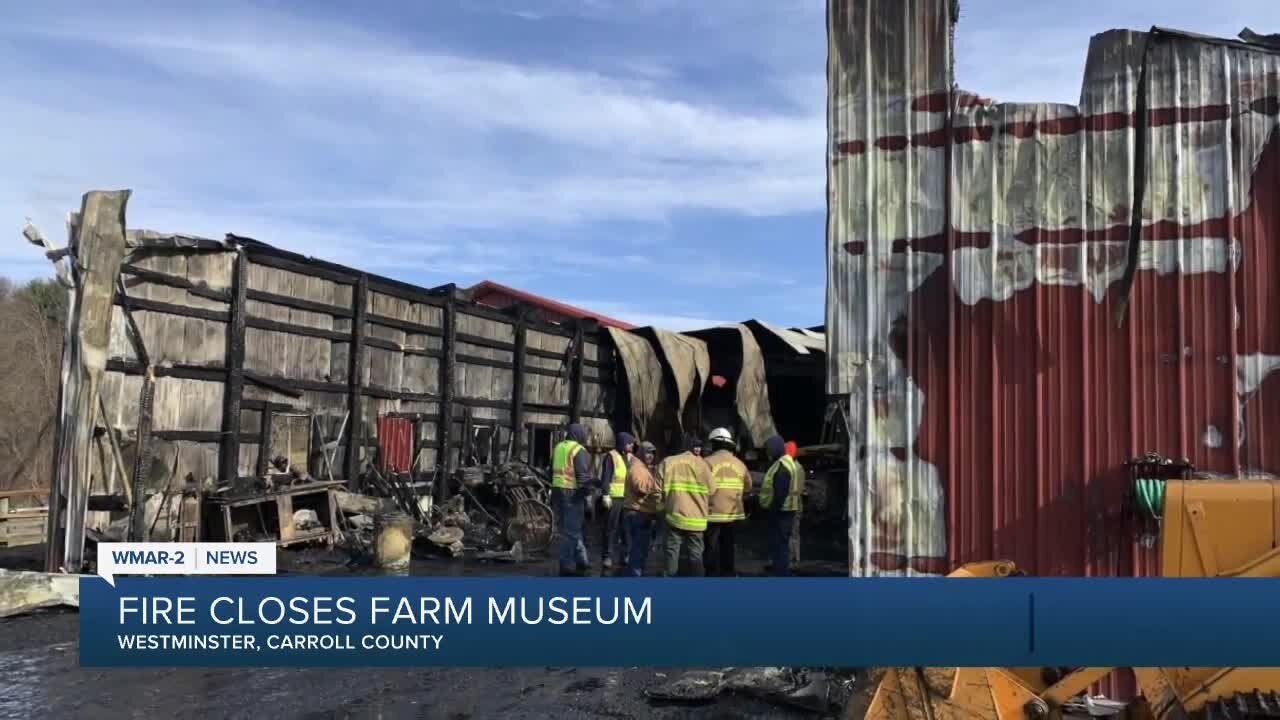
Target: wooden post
(448, 369)
(264, 442)
(232, 394)
(575, 374)
(142, 459)
(517, 384)
(355, 381)
(99, 247)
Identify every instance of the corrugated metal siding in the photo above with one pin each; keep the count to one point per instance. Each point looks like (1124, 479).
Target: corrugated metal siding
(886, 184)
(395, 444)
(994, 393)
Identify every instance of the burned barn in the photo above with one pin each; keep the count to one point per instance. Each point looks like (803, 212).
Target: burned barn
(195, 365)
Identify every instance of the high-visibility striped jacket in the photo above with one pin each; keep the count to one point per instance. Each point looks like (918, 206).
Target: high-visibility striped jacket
(687, 486)
(732, 479)
(785, 471)
(614, 474)
(644, 493)
(566, 461)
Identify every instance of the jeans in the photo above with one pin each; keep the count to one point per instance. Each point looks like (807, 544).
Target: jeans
(718, 556)
(780, 526)
(676, 540)
(639, 529)
(571, 508)
(615, 534)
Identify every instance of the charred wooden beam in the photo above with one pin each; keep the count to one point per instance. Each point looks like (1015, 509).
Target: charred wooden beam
(404, 291)
(545, 354)
(467, 431)
(188, 372)
(174, 281)
(299, 303)
(296, 329)
(271, 384)
(517, 384)
(100, 245)
(396, 347)
(405, 325)
(142, 457)
(448, 369)
(355, 378)
(548, 372)
(263, 405)
(389, 394)
(482, 402)
(547, 408)
(481, 341)
(233, 392)
(107, 503)
(575, 375)
(135, 335)
(264, 443)
(205, 436)
(173, 309)
(263, 254)
(487, 362)
(468, 307)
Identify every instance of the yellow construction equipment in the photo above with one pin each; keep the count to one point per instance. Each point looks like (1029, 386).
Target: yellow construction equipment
(1208, 529)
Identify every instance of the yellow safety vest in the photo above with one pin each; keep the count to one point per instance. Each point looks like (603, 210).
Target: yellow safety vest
(562, 473)
(618, 483)
(795, 492)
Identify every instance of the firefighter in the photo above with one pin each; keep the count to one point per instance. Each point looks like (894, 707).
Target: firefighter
(687, 486)
(613, 478)
(643, 504)
(780, 494)
(570, 486)
(726, 509)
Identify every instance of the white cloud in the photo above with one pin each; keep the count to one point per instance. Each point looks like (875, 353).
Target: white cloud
(364, 148)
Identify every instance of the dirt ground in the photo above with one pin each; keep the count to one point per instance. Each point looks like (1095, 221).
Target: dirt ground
(40, 674)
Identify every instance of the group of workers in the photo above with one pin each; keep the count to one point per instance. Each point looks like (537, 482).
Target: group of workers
(692, 501)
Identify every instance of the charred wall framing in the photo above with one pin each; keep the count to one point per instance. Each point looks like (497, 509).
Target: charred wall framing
(235, 331)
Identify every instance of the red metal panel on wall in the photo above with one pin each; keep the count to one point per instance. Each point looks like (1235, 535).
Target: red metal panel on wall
(395, 444)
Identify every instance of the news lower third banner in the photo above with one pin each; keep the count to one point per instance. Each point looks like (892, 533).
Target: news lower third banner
(420, 621)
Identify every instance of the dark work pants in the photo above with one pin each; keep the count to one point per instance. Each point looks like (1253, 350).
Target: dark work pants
(780, 524)
(614, 548)
(718, 556)
(571, 508)
(676, 541)
(639, 531)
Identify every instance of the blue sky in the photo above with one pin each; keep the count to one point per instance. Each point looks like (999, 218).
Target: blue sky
(659, 160)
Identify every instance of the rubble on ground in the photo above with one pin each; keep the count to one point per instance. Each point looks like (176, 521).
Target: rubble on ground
(23, 592)
(496, 513)
(820, 691)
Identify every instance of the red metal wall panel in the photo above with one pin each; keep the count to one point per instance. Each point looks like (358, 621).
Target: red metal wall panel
(976, 262)
(395, 444)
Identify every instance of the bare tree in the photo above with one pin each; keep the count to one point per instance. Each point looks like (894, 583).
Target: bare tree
(30, 353)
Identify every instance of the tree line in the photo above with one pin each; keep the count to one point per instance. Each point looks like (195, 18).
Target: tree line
(33, 316)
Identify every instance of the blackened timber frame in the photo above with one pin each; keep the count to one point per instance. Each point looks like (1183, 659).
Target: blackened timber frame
(229, 466)
(575, 374)
(237, 317)
(448, 370)
(355, 379)
(517, 383)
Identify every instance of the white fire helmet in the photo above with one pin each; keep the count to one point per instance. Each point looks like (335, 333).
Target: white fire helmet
(720, 435)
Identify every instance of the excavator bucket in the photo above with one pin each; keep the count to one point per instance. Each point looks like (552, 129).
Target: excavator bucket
(953, 694)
